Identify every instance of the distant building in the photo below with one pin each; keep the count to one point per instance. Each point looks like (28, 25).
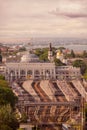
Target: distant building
(30, 67)
(61, 56)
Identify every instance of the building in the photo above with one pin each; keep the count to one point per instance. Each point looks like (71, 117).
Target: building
(30, 67)
(61, 57)
(50, 53)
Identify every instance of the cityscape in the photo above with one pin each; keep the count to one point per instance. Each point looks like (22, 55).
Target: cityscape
(43, 65)
(51, 89)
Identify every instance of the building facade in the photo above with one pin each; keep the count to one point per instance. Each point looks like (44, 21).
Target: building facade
(30, 67)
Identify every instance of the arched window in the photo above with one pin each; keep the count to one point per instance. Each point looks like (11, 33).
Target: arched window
(36, 72)
(12, 73)
(29, 72)
(47, 71)
(22, 72)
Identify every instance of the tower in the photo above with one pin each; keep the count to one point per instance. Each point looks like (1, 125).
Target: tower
(50, 53)
(0, 57)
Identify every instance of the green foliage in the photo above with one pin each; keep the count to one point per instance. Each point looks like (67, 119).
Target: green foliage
(20, 129)
(61, 48)
(23, 118)
(44, 56)
(2, 77)
(84, 54)
(5, 127)
(7, 118)
(7, 96)
(38, 52)
(85, 112)
(81, 64)
(85, 75)
(3, 83)
(72, 54)
(58, 62)
(22, 49)
(42, 53)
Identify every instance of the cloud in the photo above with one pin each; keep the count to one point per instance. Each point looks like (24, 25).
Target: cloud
(69, 14)
(26, 18)
(67, 8)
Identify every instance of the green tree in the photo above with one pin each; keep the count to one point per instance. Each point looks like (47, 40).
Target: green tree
(61, 48)
(86, 112)
(3, 83)
(39, 52)
(42, 53)
(85, 75)
(24, 118)
(84, 54)
(7, 118)
(7, 97)
(22, 49)
(81, 64)
(58, 62)
(72, 54)
(44, 56)
(2, 77)
(5, 127)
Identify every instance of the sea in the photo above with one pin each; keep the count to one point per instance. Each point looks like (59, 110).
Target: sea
(77, 44)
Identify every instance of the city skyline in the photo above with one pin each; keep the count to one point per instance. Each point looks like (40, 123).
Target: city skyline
(24, 19)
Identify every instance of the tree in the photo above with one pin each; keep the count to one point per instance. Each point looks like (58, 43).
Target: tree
(3, 83)
(5, 127)
(61, 48)
(7, 118)
(23, 118)
(44, 56)
(81, 64)
(42, 53)
(22, 49)
(84, 54)
(72, 54)
(7, 97)
(85, 75)
(2, 77)
(58, 62)
(39, 52)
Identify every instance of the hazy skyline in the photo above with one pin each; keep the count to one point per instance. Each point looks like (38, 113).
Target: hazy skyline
(24, 19)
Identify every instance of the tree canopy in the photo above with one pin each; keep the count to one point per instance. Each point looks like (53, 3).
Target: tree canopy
(7, 97)
(8, 120)
(84, 54)
(42, 54)
(81, 64)
(58, 62)
(6, 94)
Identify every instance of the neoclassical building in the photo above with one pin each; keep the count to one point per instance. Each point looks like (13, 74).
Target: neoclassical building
(30, 67)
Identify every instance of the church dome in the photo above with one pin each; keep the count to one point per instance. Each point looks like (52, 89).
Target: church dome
(29, 58)
(59, 55)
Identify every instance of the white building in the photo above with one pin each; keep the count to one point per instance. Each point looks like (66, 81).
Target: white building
(31, 68)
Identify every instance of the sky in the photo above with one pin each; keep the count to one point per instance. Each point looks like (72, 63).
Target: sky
(21, 20)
